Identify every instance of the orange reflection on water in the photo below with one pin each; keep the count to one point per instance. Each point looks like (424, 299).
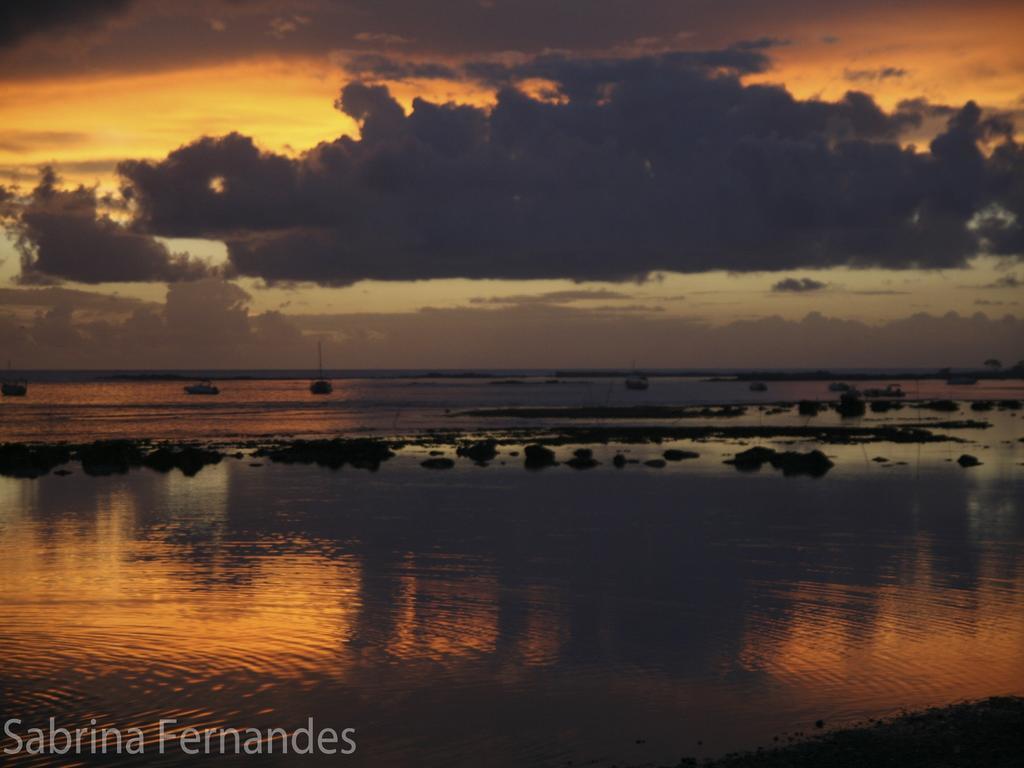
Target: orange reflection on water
(897, 642)
(444, 619)
(421, 606)
(170, 603)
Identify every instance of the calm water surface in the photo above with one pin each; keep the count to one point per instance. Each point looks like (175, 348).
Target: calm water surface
(82, 408)
(503, 617)
(494, 616)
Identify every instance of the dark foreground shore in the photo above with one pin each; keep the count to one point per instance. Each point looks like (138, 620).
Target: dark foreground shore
(982, 734)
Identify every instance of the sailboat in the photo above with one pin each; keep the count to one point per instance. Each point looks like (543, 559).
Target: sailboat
(321, 386)
(636, 380)
(14, 387)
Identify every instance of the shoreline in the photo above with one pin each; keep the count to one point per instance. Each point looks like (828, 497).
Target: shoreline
(988, 733)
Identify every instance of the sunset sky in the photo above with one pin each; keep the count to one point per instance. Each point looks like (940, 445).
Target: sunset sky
(511, 183)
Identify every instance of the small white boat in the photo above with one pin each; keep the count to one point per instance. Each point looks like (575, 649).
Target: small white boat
(205, 387)
(892, 390)
(321, 386)
(637, 380)
(838, 386)
(758, 386)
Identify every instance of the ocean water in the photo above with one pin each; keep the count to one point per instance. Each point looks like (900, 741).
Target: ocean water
(81, 406)
(493, 615)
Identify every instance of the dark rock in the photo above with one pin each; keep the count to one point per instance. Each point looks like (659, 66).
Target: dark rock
(948, 406)
(851, 408)
(30, 461)
(438, 463)
(1010, 405)
(362, 453)
(255, 464)
(109, 457)
(966, 460)
(881, 406)
(480, 452)
(982, 405)
(583, 458)
(162, 460)
(880, 459)
(813, 463)
(674, 454)
(655, 463)
(619, 460)
(437, 453)
(63, 472)
(537, 457)
(809, 407)
(189, 459)
(751, 459)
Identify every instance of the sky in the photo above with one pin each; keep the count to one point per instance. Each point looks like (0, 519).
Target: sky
(511, 183)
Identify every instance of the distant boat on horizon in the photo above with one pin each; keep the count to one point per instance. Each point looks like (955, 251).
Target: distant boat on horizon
(205, 387)
(758, 386)
(321, 386)
(12, 387)
(636, 380)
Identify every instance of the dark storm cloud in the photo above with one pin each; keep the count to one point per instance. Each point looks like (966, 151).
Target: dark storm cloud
(553, 297)
(155, 34)
(925, 108)
(628, 167)
(581, 76)
(20, 19)
(375, 65)
(745, 57)
(62, 235)
(882, 73)
(798, 285)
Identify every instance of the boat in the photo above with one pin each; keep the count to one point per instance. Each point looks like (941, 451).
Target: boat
(838, 386)
(758, 386)
(14, 387)
(891, 390)
(321, 386)
(637, 380)
(961, 380)
(205, 387)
